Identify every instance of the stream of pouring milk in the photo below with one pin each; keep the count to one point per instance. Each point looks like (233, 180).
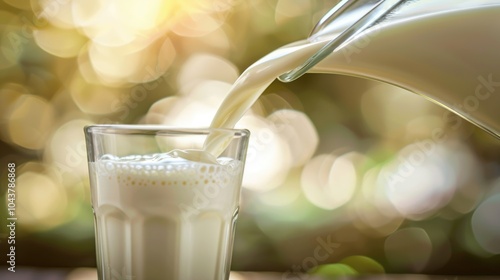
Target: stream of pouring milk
(450, 57)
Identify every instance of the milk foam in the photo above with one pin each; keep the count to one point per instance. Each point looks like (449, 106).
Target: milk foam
(165, 170)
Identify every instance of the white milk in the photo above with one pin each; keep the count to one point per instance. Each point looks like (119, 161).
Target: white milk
(173, 209)
(451, 57)
(160, 217)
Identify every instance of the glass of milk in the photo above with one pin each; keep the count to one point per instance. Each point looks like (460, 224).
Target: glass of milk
(163, 207)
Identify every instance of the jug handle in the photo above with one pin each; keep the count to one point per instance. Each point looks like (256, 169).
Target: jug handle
(375, 10)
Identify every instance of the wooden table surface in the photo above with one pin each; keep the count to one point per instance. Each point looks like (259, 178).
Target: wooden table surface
(33, 273)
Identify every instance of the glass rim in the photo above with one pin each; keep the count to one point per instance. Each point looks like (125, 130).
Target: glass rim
(140, 129)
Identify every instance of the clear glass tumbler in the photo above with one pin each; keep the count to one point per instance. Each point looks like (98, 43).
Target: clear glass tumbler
(157, 214)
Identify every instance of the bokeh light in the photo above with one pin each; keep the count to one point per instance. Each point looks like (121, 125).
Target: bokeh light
(202, 66)
(408, 249)
(268, 157)
(12, 42)
(486, 226)
(298, 131)
(329, 181)
(66, 149)
(30, 119)
(59, 42)
(95, 99)
(375, 168)
(42, 200)
(423, 177)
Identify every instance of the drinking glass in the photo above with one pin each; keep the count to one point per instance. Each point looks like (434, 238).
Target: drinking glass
(163, 209)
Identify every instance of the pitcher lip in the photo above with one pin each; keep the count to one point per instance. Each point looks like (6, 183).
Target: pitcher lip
(369, 12)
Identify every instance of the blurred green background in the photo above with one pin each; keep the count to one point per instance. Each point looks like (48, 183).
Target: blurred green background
(332, 160)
